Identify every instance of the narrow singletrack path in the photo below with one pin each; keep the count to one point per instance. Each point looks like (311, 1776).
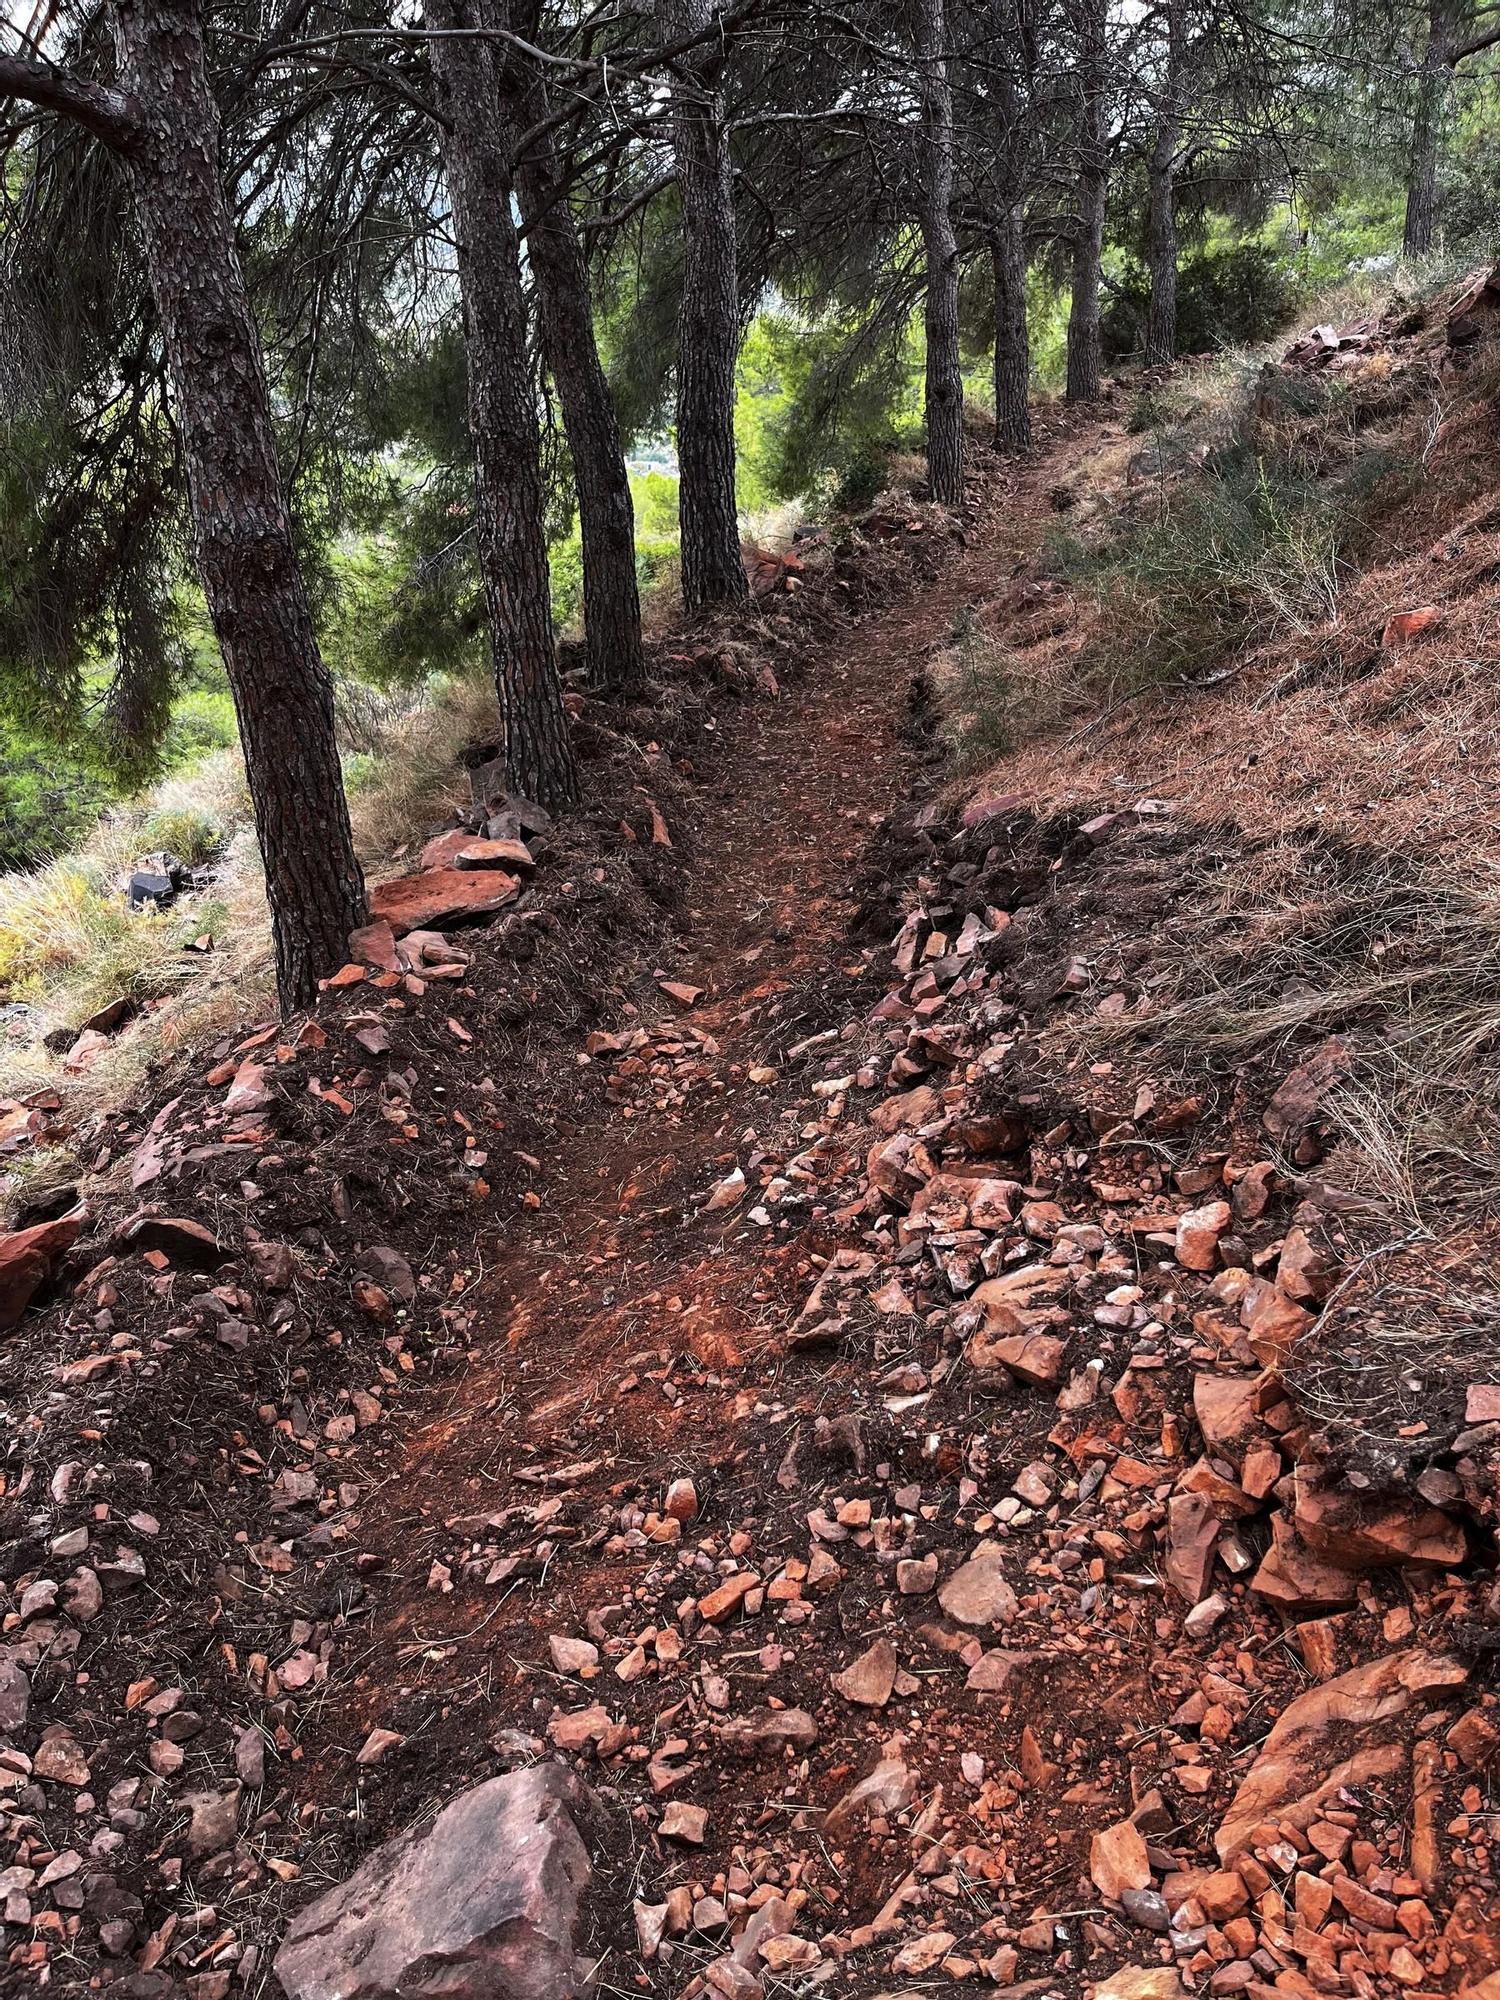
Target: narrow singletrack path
(605, 1266)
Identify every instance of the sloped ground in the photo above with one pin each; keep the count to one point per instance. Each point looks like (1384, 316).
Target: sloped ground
(867, 1431)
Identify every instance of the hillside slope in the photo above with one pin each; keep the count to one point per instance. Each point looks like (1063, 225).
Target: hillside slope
(863, 1317)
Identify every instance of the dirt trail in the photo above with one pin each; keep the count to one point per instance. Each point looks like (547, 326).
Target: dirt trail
(771, 1504)
(609, 1262)
(617, 1277)
(634, 1333)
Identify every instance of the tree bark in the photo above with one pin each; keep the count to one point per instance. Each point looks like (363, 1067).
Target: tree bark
(242, 527)
(708, 328)
(1088, 244)
(1012, 340)
(945, 388)
(508, 512)
(606, 514)
(1161, 203)
(1433, 82)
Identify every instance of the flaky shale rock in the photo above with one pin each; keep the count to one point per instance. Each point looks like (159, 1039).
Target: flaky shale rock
(28, 1258)
(483, 1904)
(1331, 1737)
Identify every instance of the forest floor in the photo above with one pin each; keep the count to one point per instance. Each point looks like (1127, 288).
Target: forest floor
(756, 1341)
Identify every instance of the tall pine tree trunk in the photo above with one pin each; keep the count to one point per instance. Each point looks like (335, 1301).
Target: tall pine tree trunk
(559, 269)
(242, 527)
(1084, 368)
(606, 514)
(508, 509)
(1433, 83)
(1161, 202)
(1161, 255)
(1012, 341)
(945, 389)
(708, 328)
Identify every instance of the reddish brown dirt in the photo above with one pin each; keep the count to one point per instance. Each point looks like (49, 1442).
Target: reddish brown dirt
(626, 1336)
(616, 1332)
(607, 1265)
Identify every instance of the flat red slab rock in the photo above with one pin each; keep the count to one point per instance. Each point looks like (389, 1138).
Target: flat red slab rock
(441, 896)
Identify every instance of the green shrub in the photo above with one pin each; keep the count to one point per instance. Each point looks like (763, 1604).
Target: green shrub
(1254, 543)
(1234, 295)
(193, 835)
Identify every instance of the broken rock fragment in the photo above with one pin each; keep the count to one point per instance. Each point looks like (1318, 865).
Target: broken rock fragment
(1358, 1532)
(1118, 1861)
(177, 1237)
(28, 1258)
(1198, 1234)
(769, 1731)
(1192, 1537)
(869, 1679)
(978, 1594)
(486, 1899)
(1333, 1736)
(441, 896)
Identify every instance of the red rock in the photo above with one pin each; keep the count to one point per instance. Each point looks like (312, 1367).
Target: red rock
(1307, 1269)
(770, 1730)
(1227, 1408)
(681, 992)
(440, 896)
(1364, 1906)
(869, 1679)
(1330, 1737)
(1192, 1537)
(1297, 1579)
(1118, 1860)
(1002, 1300)
(993, 1672)
(28, 1257)
(1475, 1740)
(249, 1090)
(977, 811)
(495, 854)
(1229, 1501)
(1252, 1191)
(1404, 626)
(907, 1109)
(1260, 1471)
(89, 1046)
(375, 945)
(488, 1897)
(1277, 1323)
(443, 849)
(684, 1822)
(977, 1593)
(1036, 1358)
(729, 1595)
(1198, 1234)
(1482, 1403)
(176, 1237)
(1362, 1533)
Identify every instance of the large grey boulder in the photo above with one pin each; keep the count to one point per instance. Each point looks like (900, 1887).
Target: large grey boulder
(483, 1904)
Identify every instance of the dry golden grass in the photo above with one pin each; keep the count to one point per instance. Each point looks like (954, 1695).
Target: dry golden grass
(68, 945)
(1317, 724)
(1355, 789)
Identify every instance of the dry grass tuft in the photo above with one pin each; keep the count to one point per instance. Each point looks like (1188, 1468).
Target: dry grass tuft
(68, 945)
(1348, 797)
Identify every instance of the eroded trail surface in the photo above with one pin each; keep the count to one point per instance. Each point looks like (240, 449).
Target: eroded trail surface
(850, 1517)
(867, 1455)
